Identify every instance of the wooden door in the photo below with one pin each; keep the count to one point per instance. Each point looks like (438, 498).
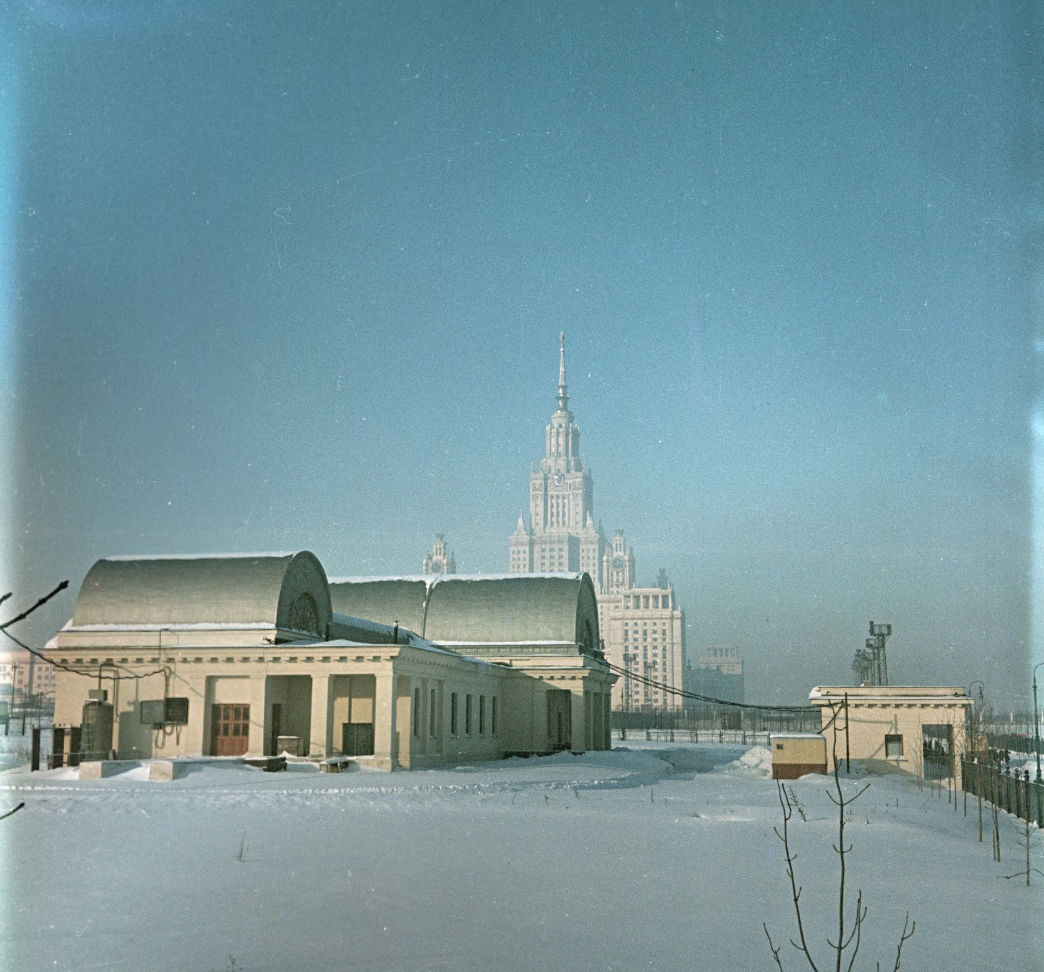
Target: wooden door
(357, 738)
(229, 729)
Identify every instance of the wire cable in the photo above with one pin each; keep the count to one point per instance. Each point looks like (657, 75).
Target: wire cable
(681, 693)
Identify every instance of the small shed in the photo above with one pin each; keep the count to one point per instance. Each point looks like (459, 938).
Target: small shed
(796, 754)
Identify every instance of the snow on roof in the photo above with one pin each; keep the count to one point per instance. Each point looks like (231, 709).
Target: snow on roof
(432, 579)
(890, 693)
(267, 555)
(176, 626)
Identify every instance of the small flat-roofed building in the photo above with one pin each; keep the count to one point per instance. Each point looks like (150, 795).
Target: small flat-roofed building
(247, 656)
(795, 754)
(912, 729)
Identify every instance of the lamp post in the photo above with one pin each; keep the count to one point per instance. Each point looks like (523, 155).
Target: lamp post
(1036, 722)
(628, 657)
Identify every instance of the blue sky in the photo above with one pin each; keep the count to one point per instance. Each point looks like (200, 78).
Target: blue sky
(292, 275)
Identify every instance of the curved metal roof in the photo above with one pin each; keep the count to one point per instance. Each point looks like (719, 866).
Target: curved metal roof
(285, 590)
(454, 608)
(386, 601)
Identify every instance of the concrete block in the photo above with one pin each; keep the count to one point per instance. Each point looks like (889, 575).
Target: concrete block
(96, 769)
(337, 764)
(165, 770)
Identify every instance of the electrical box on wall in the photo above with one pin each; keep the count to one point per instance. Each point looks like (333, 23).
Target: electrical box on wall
(165, 712)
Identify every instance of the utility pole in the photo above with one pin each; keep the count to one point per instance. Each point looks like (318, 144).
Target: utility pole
(848, 748)
(628, 657)
(1036, 721)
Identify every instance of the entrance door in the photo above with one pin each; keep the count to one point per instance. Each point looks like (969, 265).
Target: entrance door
(229, 729)
(357, 738)
(559, 718)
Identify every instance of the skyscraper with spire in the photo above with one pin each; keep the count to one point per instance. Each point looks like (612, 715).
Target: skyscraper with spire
(641, 629)
(562, 535)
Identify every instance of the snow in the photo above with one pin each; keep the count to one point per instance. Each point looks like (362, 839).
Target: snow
(222, 555)
(654, 855)
(430, 580)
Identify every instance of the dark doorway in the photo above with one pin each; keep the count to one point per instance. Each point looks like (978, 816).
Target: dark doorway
(229, 729)
(937, 751)
(559, 718)
(357, 738)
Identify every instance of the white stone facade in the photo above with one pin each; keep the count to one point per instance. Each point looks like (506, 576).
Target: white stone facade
(440, 559)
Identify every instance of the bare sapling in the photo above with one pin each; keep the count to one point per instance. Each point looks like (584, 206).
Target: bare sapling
(1027, 841)
(849, 934)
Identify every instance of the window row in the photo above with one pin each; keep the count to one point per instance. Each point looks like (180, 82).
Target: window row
(475, 715)
(638, 601)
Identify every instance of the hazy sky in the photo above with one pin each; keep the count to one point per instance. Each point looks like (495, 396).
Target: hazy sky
(289, 275)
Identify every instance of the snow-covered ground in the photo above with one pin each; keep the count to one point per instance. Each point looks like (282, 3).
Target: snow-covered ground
(655, 856)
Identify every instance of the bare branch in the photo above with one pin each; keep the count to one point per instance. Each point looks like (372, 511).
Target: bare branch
(902, 941)
(795, 891)
(15, 810)
(772, 948)
(43, 600)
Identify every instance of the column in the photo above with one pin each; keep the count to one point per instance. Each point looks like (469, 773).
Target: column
(385, 736)
(404, 720)
(319, 743)
(257, 743)
(194, 735)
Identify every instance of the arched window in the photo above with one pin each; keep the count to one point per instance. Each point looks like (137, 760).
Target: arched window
(587, 636)
(304, 615)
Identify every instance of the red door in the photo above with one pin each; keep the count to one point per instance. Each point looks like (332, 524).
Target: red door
(229, 729)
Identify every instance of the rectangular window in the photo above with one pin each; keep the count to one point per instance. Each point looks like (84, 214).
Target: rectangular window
(467, 714)
(482, 715)
(431, 715)
(416, 713)
(493, 727)
(893, 747)
(453, 714)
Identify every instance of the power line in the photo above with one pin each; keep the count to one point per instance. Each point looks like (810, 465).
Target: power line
(670, 689)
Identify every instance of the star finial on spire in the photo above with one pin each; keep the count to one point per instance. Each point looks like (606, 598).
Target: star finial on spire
(563, 398)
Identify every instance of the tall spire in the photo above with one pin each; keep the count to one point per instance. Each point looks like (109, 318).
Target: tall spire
(563, 398)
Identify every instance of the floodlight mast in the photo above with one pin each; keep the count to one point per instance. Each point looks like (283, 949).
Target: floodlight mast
(879, 634)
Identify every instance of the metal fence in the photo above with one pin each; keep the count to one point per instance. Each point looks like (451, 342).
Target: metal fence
(744, 737)
(707, 720)
(1004, 787)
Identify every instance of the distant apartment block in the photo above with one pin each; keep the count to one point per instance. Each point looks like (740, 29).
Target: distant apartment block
(22, 674)
(717, 675)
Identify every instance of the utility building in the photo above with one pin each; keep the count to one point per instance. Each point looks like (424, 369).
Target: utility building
(250, 655)
(912, 729)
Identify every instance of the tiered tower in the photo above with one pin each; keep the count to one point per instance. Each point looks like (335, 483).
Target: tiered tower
(440, 559)
(641, 629)
(562, 535)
